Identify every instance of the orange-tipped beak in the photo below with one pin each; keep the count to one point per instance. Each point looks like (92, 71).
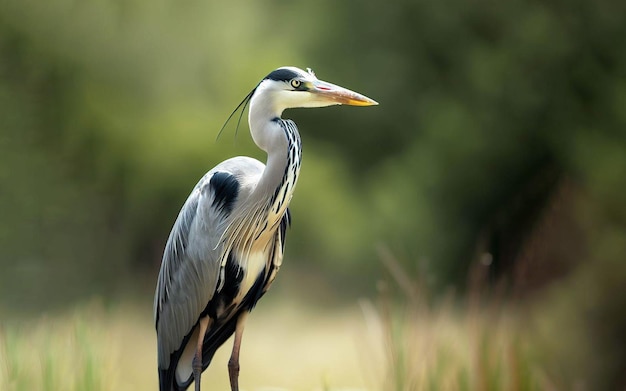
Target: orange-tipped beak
(339, 95)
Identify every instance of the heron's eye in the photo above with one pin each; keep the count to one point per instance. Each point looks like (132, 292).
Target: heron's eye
(295, 83)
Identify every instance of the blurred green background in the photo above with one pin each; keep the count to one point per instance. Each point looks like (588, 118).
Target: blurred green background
(499, 145)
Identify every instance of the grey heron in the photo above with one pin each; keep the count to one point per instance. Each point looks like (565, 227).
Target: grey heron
(227, 243)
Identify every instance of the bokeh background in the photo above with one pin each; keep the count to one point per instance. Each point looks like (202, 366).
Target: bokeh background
(468, 233)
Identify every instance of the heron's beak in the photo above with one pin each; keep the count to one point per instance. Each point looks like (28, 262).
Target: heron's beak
(339, 95)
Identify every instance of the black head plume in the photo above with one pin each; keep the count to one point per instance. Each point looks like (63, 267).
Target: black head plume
(244, 103)
(282, 74)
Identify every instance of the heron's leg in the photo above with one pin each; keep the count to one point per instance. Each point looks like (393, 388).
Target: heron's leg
(233, 363)
(196, 364)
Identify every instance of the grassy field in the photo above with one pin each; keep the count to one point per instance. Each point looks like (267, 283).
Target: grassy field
(91, 348)
(367, 346)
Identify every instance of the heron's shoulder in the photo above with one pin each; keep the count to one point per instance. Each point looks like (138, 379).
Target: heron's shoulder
(238, 175)
(240, 166)
(245, 170)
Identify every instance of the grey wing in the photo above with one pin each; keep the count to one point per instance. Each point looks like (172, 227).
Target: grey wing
(189, 270)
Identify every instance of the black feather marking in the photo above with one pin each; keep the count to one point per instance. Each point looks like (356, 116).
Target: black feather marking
(284, 223)
(226, 189)
(282, 74)
(275, 196)
(167, 376)
(261, 231)
(233, 275)
(256, 291)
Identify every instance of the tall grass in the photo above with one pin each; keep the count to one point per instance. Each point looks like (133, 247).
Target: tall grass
(403, 341)
(410, 346)
(55, 354)
(425, 344)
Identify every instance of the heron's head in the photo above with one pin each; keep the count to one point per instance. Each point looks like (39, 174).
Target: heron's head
(291, 87)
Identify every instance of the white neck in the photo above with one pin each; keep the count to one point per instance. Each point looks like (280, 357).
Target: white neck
(268, 135)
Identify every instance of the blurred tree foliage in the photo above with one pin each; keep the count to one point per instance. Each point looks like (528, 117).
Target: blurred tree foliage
(478, 100)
